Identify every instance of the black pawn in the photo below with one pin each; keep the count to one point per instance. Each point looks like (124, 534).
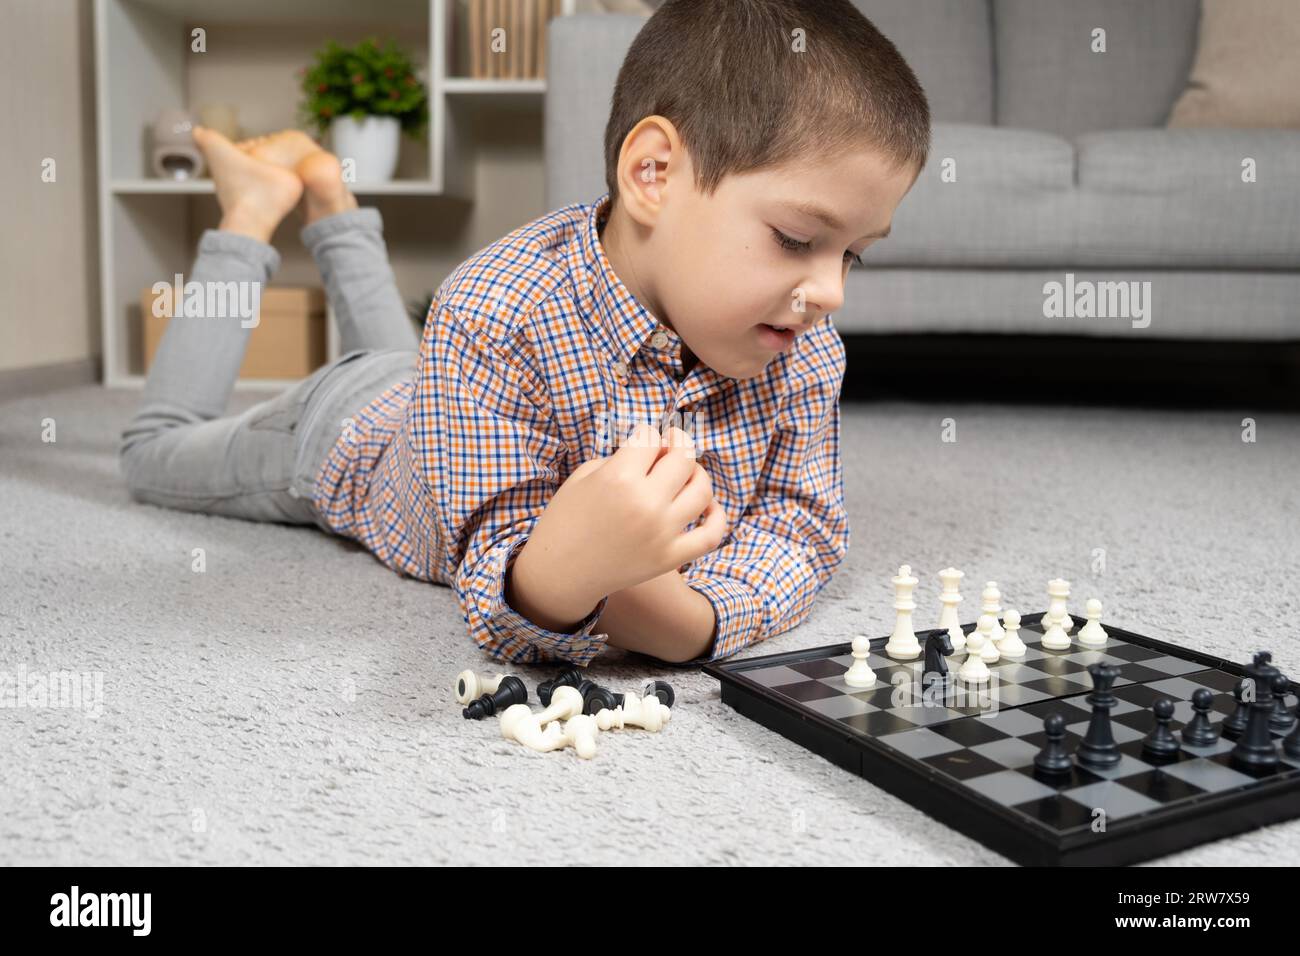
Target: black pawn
(1053, 758)
(661, 689)
(1255, 750)
(570, 677)
(1199, 732)
(1161, 744)
(1098, 748)
(1235, 724)
(1280, 720)
(510, 691)
(596, 698)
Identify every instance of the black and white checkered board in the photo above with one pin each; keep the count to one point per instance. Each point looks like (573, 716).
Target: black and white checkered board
(965, 753)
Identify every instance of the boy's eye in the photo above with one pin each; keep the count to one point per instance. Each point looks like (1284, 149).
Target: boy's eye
(795, 245)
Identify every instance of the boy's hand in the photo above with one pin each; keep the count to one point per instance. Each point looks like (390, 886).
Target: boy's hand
(618, 521)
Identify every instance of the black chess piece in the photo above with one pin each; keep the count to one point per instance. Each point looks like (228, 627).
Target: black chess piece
(1199, 732)
(938, 647)
(1280, 720)
(661, 689)
(1053, 758)
(1292, 742)
(596, 698)
(1255, 750)
(510, 691)
(1098, 748)
(1236, 721)
(1161, 744)
(569, 677)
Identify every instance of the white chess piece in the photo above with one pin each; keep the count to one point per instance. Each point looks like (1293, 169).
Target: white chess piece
(566, 702)
(1058, 592)
(973, 670)
(471, 686)
(1011, 645)
(991, 603)
(580, 734)
(1055, 638)
(950, 598)
(1093, 633)
(988, 649)
(860, 673)
(520, 724)
(903, 645)
(648, 713)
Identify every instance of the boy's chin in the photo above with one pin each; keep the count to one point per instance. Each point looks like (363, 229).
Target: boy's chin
(750, 368)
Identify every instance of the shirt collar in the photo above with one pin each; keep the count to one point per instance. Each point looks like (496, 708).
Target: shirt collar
(624, 325)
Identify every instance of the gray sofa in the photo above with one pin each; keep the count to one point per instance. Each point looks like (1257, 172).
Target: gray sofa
(1063, 166)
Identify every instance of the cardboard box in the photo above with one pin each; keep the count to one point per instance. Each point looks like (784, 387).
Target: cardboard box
(288, 341)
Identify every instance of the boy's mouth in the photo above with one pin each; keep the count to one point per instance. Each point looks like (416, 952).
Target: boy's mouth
(775, 337)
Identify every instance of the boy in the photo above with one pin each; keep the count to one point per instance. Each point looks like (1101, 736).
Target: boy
(755, 149)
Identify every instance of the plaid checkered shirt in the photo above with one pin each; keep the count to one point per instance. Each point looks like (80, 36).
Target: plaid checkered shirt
(535, 358)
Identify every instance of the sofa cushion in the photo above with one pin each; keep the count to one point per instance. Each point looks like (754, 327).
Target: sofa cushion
(1048, 78)
(1176, 197)
(1247, 73)
(1008, 205)
(949, 45)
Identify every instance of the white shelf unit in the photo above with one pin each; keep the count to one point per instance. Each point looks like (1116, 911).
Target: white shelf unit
(144, 64)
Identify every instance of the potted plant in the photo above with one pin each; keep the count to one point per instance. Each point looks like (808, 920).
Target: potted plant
(366, 96)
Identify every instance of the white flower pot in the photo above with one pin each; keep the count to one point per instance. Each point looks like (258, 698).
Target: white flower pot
(371, 143)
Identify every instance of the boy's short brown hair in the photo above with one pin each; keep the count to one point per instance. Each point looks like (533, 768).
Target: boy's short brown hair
(727, 74)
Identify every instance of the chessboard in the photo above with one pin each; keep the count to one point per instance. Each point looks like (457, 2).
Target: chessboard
(964, 754)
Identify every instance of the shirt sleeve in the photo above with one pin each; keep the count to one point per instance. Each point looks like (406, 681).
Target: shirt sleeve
(491, 460)
(790, 539)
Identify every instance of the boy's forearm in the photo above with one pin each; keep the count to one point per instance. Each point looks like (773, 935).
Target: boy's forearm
(663, 617)
(552, 600)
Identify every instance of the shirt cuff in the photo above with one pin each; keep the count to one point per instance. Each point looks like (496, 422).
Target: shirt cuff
(509, 626)
(739, 611)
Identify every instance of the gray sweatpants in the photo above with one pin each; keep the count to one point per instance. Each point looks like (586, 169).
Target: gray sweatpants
(179, 452)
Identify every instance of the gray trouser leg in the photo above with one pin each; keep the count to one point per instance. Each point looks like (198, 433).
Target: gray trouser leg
(349, 251)
(176, 451)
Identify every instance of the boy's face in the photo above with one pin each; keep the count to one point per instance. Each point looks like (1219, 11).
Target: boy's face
(714, 269)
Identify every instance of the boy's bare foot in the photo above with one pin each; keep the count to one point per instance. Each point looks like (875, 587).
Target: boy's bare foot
(284, 148)
(324, 190)
(254, 195)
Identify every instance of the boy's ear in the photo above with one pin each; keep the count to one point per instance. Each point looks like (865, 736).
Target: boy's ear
(651, 156)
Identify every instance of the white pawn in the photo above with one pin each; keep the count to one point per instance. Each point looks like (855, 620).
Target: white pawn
(1092, 633)
(648, 713)
(580, 734)
(520, 724)
(860, 673)
(950, 598)
(903, 645)
(1011, 645)
(989, 653)
(1055, 638)
(974, 670)
(991, 603)
(566, 702)
(1058, 592)
(471, 686)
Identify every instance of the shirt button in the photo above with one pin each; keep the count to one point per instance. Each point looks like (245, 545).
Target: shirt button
(293, 492)
(659, 339)
(620, 369)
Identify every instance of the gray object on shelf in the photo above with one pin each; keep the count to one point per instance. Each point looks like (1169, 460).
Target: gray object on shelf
(173, 152)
